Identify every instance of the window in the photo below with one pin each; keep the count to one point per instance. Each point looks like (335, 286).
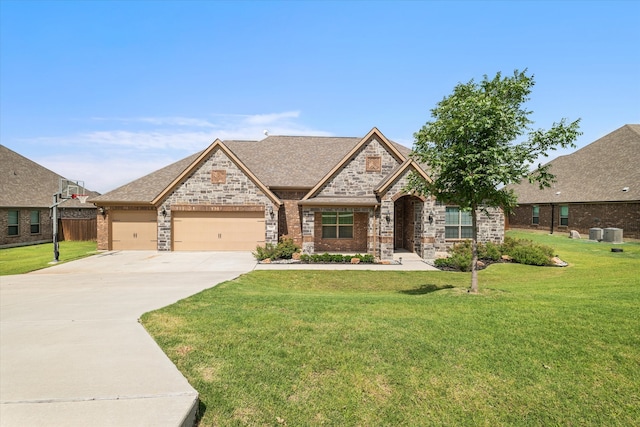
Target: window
(35, 222)
(337, 225)
(535, 218)
(14, 224)
(458, 224)
(564, 215)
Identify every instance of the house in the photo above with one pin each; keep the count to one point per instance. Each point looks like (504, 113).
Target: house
(26, 198)
(597, 186)
(329, 194)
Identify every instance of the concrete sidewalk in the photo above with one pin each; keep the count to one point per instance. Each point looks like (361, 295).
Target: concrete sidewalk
(409, 262)
(72, 351)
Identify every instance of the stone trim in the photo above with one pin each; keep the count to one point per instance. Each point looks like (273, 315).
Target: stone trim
(217, 208)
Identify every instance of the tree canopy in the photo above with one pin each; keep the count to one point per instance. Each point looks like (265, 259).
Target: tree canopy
(472, 146)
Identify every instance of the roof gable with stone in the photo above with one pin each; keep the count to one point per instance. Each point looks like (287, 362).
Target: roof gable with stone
(598, 172)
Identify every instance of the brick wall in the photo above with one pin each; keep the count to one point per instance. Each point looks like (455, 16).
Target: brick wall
(356, 245)
(25, 236)
(290, 215)
(582, 217)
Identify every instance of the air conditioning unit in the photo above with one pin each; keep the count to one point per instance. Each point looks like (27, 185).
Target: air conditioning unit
(595, 234)
(612, 235)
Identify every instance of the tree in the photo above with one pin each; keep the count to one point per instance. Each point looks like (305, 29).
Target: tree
(472, 151)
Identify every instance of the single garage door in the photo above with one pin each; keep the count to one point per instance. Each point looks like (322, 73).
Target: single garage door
(134, 230)
(218, 231)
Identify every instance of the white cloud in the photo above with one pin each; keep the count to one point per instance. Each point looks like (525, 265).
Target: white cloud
(123, 149)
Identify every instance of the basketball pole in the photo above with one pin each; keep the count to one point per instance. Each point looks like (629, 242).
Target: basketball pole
(56, 249)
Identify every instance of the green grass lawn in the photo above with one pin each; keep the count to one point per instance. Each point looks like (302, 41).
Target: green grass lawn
(538, 346)
(24, 259)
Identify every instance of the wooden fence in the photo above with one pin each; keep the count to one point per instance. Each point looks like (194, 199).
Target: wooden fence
(78, 229)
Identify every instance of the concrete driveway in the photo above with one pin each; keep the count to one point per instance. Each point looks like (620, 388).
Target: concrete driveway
(72, 352)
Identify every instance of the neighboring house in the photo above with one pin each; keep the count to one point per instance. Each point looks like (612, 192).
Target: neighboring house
(597, 186)
(328, 194)
(26, 197)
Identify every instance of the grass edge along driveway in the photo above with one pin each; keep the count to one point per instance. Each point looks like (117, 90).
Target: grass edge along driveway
(538, 346)
(24, 259)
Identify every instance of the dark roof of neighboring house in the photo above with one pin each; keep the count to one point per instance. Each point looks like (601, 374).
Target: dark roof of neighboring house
(597, 172)
(277, 161)
(26, 184)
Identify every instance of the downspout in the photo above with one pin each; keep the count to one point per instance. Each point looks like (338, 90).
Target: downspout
(375, 208)
(553, 215)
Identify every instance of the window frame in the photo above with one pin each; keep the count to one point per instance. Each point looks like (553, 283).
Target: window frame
(34, 224)
(339, 230)
(459, 226)
(535, 215)
(15, 227)
(563, 219)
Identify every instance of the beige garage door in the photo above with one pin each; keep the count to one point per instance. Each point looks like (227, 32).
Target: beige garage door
(218, 231)
(134, 230)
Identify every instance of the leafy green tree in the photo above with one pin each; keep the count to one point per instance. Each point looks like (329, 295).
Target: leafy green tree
(472, 147)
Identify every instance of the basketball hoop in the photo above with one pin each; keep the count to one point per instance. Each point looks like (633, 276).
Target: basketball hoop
(81, 197)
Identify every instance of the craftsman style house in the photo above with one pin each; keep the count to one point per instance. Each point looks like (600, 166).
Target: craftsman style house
(26, 197)
(597, 186)
(328, 194)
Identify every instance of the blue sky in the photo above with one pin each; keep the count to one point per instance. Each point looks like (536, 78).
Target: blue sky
(106, 92)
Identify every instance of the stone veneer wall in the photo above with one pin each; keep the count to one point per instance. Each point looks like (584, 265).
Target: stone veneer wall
(490, 228)
(198, 189)
(354, 180)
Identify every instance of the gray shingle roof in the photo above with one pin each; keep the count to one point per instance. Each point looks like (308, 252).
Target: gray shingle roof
(597, 172)
(145, 189)
(24, 183)
(277, 161)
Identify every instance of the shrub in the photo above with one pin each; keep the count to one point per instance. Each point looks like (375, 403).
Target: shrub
(520, 250)
(283, 250)
(335, 258)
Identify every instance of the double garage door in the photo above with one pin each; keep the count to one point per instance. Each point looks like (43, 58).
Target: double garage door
(192, 231)
(218, 231)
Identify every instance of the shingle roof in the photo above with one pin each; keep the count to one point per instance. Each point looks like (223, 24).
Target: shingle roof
(277, 161)
(145, 189)
(24, 183)
(597, 172)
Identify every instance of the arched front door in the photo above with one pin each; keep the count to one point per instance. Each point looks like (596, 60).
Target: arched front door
(407, 223)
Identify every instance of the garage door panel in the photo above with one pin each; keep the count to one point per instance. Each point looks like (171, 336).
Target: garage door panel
(134, 230)
(218, 231)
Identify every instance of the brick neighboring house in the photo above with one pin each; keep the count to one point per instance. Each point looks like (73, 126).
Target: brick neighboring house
(597, 186)
(26, 196)
(327, 193)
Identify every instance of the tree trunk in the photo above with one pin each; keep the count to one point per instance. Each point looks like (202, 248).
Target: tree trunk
(474, 250)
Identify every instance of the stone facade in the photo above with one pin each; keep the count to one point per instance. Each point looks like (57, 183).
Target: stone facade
(355, 179)
(582, 217)
(204, 188)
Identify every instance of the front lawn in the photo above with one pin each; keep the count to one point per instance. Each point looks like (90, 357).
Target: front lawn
(24, 259)
(539, 345)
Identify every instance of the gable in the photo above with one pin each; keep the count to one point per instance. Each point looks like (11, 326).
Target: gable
(360, 171)
(217, 176)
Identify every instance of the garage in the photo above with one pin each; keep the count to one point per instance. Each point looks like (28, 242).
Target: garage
(134, 230)
(218, 231)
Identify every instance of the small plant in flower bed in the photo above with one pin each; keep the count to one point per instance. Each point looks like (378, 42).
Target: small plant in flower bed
(517, 250)
(283, 250)
(335, 258)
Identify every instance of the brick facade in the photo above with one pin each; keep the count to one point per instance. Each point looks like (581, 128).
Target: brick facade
(45, 233)
(582, 217)
(290, 215)
(356, 245)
